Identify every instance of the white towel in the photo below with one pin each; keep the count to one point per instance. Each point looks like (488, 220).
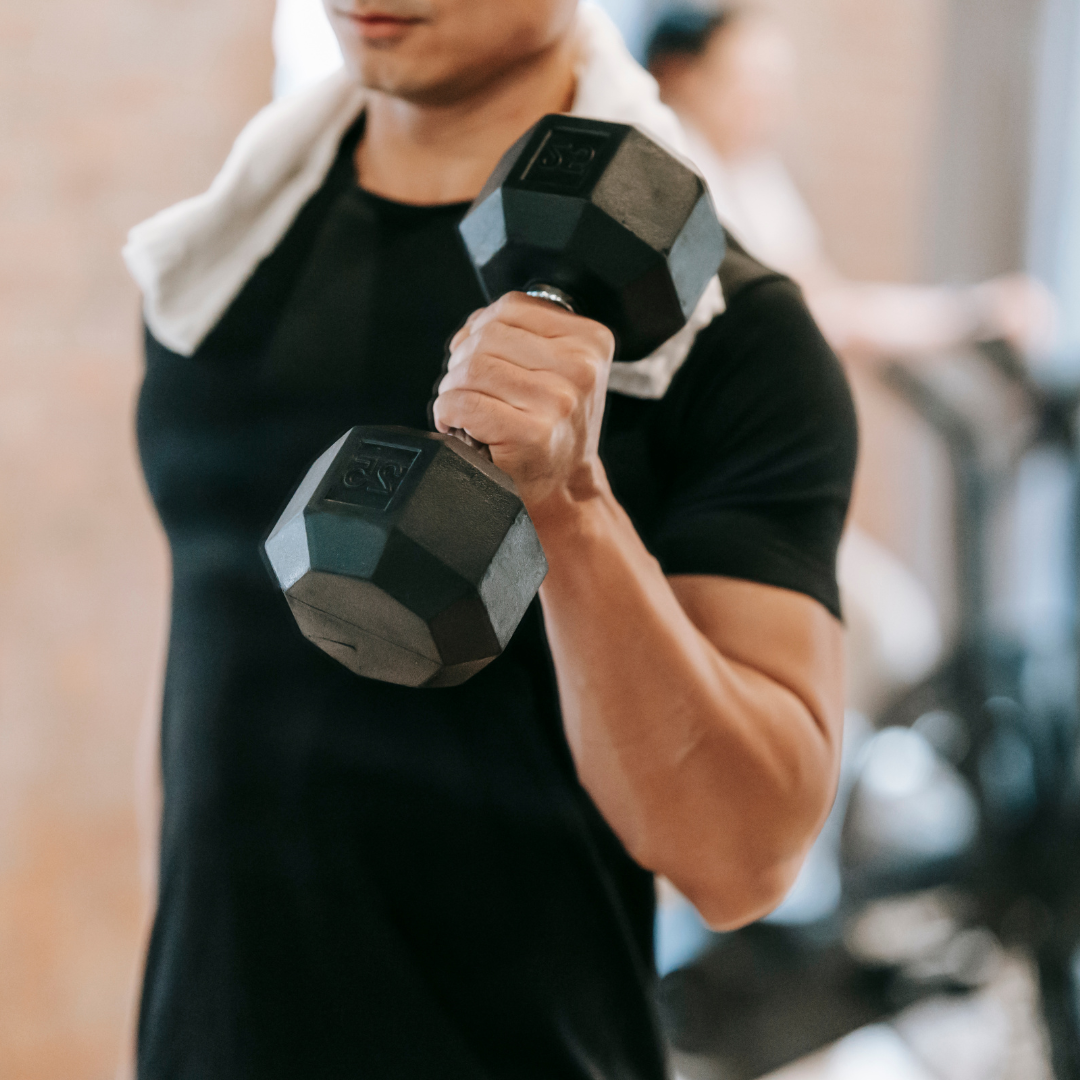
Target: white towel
(191, 260)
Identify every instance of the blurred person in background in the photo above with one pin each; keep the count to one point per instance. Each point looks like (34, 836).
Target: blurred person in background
(358, 878)
(731, 75)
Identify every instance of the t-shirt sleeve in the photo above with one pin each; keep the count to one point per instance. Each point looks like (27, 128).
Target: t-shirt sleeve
(761, 442)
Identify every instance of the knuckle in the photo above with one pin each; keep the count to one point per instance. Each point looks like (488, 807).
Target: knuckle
(467, 411)
(552, 433)
(487, 338)
(493, 334)
(603, 340)
(541, 433)
(447, 408)
(472, 403)
(466, 370)
(587, 352)
(565, 403)
(586, 370)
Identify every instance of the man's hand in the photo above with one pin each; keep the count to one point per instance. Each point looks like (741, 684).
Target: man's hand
(530, 380)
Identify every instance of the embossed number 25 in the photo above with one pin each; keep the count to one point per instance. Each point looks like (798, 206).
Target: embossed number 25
(374, 475)
(566, 157)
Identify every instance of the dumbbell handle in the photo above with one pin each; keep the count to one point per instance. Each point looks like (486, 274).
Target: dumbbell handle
(553, 295)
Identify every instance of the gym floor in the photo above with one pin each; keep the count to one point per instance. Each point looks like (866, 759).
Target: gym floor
(109, 112)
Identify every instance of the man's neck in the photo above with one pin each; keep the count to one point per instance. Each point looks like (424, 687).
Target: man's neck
(431, 154)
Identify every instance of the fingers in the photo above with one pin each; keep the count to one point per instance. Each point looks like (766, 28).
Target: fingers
(489, 419)
(466, 329)
(539, 317)
(527, 312)
(581, 356)
(520, 386)
(528, 379)
(480, 354)
(506, 342)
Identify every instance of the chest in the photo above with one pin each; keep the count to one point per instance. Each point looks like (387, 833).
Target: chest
(352, 330)
(371, 311)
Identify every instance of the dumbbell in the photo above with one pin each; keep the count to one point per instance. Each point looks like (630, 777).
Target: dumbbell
(408, 555)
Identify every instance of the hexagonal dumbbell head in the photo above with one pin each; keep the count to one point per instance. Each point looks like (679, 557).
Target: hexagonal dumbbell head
(407, 556)
(608, 216)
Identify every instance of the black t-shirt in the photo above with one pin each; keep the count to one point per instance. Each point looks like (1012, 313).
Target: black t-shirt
(364, 880)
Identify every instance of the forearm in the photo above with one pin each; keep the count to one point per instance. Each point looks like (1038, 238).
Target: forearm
(712, 772)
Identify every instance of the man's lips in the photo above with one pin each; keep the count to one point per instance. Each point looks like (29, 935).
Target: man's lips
(375, 26)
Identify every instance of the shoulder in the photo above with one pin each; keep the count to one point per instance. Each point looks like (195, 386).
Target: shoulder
(191, 260)
(740, 270)
(765, 347)
(744, 468)
(761, 382)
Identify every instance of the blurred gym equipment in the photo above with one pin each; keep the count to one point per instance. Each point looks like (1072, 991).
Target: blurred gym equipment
(971, 788)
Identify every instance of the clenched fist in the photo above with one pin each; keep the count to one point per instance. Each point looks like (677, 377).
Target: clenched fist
(529, 379)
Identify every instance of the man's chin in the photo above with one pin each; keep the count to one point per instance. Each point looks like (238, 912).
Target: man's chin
(415, 87)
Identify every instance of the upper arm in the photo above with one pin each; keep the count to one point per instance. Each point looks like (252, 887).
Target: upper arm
(784, 635)
(761, 432)
(750, 533)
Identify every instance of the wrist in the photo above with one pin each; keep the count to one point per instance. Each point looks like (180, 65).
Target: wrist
(573, 507)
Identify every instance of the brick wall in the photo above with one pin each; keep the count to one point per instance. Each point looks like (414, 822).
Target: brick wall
(108, 111)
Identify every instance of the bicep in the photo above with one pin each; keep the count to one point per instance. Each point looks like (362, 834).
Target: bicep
(749, 534)
(783, 635)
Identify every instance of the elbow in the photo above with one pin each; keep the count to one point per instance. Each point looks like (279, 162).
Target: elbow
(734, 880)
(735, 901)
(734, 849)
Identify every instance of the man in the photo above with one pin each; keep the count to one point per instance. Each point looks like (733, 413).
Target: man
(363, 880)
